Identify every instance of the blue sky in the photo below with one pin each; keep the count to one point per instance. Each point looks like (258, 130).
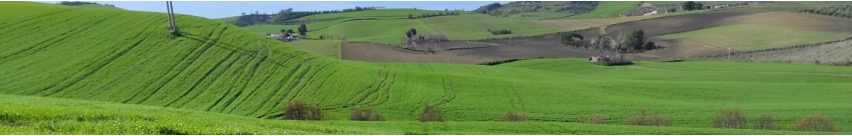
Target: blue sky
(220, 9)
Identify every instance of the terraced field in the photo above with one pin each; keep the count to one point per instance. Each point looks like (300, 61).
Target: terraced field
(228, 80)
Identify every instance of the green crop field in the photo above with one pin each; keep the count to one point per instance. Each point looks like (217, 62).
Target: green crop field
(39, 115)
(388, 26)
(222, 79)
(471, 27)
(378, 31)
(608, 9)
(328, 48)
(755, 36)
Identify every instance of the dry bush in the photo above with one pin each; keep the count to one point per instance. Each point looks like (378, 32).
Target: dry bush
(815, 123)
(368, 114)
(430, 113)
(298, 110)
(597, 119)
(729, 118)
(765, 122)
(515, 117)
(644, 119)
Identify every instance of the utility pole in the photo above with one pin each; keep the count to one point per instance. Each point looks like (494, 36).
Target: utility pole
(172, 25)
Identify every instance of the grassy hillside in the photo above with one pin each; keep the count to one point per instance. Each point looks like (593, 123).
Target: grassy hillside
(378, 31)
(377, 13)
(607, 9)
(755, 36)
(537, 10)
(220, 68)
(38, 115)
(328, 48)
(388, 26)
(471, 27)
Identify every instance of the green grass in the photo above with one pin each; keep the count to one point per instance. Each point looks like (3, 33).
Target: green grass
(228, 19)
(377, 31)
(471, 27)
(221, 79)
(328, 48)
(608, 9)
(376, 13)
(755, 36)
(38, 115)
(657, 3)
(266, 28)
(539, 16)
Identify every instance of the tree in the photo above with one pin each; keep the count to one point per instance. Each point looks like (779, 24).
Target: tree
(303, 30)
(636, 39)
(650, 45)
(698, 6)
(413, 31)
(289, 31)
(688, 6)
(283, 31)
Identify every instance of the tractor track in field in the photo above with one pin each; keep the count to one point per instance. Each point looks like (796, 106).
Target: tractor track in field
(252, 74)
(269, 78)
(241, 75)
(299, 87)
(97, 67)
(386, 87)
(296, 88)
(27, 21)
(382, 75)
(281, 85)
(53, 89)
(213, 80)
(203, 78)
(181, 70)
(53, 41)
(451, 89)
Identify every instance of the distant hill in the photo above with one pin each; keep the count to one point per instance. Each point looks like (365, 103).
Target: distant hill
(86, 4)
(537, 10)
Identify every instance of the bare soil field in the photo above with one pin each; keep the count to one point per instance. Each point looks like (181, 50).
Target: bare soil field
(669, 25)
(383, 53)
(799, 20)
(832, 53)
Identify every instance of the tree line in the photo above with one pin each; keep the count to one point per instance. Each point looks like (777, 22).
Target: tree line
(837, 11)
(286, 15)
(446, 12)
(78, 3)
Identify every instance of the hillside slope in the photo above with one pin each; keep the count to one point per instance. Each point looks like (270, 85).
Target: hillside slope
(127, 57)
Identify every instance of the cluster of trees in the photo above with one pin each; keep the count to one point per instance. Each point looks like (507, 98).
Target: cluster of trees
(837, 11)
(78, 3)
(571, 38)
(411, 37)
(490, 7)
(637, 41)
(303, 31)
(285, 15)
(435, 14)
(500, 31)
(691, 5)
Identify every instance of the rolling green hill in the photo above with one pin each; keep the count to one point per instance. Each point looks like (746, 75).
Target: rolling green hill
(607, 9)
(537, 10)
(220, 68)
